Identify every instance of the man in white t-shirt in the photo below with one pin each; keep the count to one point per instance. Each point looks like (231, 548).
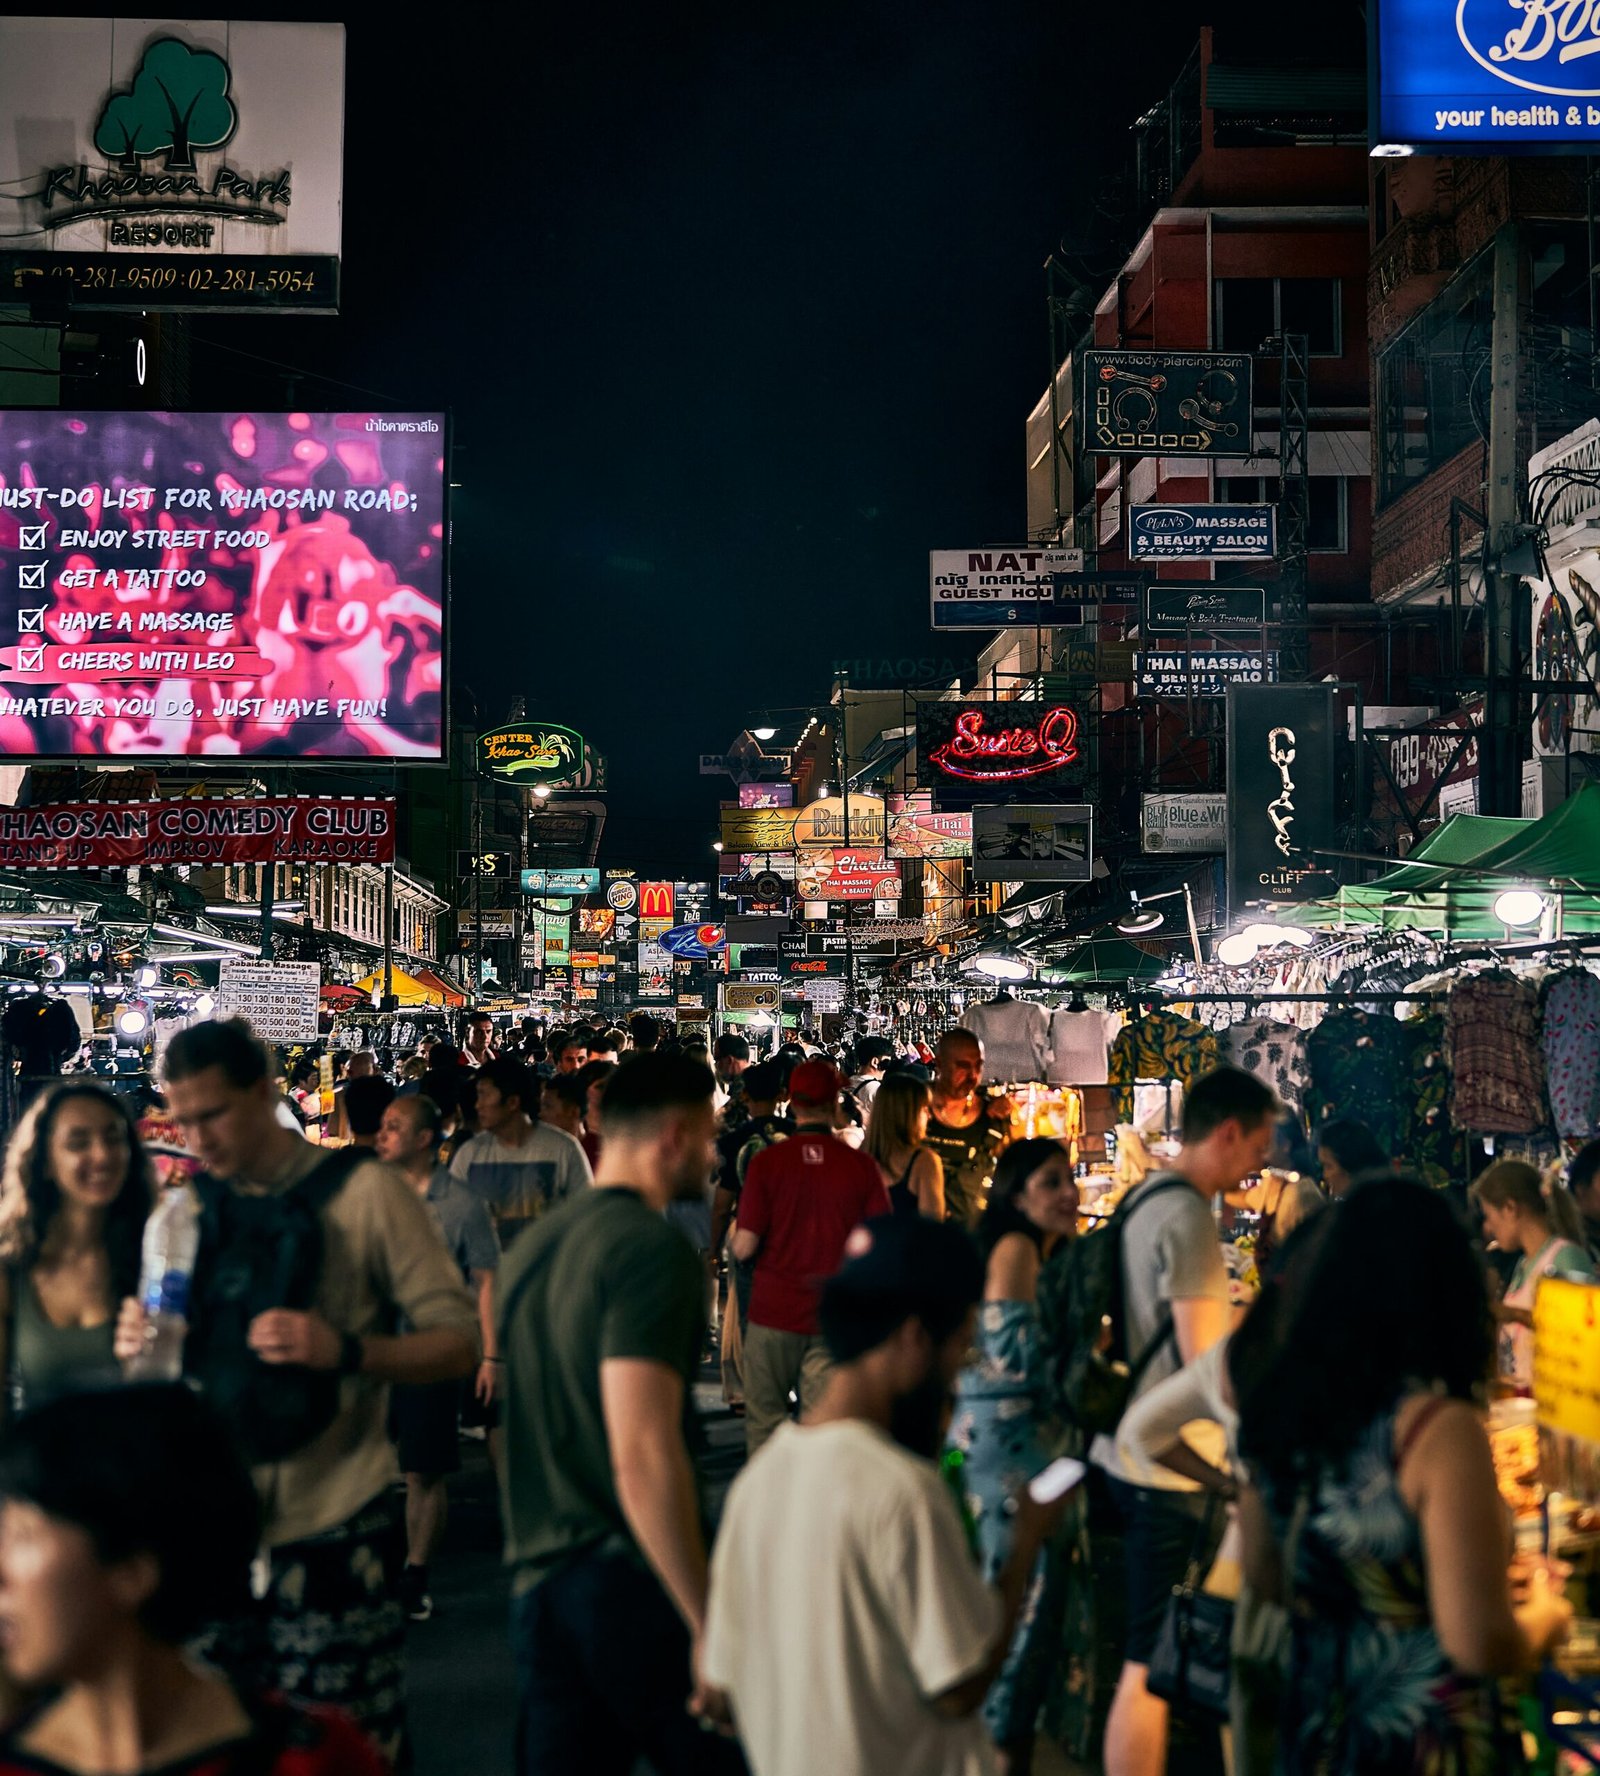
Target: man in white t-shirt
(518, 1167)
(848, 1626)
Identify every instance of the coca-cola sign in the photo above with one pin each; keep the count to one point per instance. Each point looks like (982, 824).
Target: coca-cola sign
(1490, 76)
(971, 753)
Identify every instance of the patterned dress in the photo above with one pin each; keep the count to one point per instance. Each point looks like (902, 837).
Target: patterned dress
(999, 1429)
(1370, 1691)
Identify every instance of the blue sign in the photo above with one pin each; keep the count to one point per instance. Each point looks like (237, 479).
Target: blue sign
(1485, 76)
(694, 943)
(1202, 533)
(561, 881)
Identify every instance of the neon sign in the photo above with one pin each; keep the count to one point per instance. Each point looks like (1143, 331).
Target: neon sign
(1002, 755)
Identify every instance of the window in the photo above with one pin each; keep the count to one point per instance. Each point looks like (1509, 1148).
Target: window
(1326, 531)
(1250, 310)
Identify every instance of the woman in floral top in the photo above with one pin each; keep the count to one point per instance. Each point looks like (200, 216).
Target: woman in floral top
(999, 1424)
(126, 1524)
(1370, 1476)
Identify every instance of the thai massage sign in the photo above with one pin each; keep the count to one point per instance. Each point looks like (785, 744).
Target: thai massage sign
(1486, 76)
(974, 752)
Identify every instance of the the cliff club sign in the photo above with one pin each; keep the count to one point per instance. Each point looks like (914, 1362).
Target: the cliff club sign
(192, 164)
(1486, 76)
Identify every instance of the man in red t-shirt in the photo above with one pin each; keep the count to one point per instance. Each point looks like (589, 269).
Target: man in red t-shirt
(802, 1200)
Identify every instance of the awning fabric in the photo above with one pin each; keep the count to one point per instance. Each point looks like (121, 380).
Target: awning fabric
(406, 988)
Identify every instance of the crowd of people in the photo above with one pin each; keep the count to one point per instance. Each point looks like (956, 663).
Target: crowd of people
(551, 1238)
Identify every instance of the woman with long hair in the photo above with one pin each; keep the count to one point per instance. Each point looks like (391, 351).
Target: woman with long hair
(897, 1129)
(73, 1201)
(1372, 1510)
(1000, 1424)
(1546, 1233)
(128, 1524)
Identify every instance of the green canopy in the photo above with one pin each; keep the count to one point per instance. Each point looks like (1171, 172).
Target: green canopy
(1104, 956)
(1450, 882)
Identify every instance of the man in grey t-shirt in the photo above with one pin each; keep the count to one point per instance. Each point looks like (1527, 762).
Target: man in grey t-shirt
(1175, 1289)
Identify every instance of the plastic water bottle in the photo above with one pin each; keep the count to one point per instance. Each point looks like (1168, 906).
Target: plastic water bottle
(171, 1240)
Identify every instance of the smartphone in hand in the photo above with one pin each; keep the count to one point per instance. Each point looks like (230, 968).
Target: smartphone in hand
(1056, 1481)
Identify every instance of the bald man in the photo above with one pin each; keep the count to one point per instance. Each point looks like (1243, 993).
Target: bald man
(967, 1130)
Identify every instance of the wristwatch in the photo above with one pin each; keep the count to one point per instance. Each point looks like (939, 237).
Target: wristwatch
(352, 1354)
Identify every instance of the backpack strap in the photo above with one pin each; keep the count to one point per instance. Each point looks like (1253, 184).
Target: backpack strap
(328, 1177)
(1167, 1329)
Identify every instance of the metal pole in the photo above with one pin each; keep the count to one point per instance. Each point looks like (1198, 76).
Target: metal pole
(1500, 784)
(269, 894)
(388, 936)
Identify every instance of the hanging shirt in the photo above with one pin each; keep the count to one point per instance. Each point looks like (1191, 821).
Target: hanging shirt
(1080, 1046)
(1358, 1062)
(1572, 1053)
(1496, 1062)
(1160, 1045)
(1015, 1036)
(1274, 1052)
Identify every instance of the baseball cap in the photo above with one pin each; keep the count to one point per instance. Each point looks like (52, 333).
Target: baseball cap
(910, 1258)
(814, 1083)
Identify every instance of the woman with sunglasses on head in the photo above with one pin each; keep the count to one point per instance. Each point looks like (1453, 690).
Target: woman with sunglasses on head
(73, 1201)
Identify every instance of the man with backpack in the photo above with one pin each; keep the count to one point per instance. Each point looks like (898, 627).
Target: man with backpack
(306, 1259)
(1156, 1274)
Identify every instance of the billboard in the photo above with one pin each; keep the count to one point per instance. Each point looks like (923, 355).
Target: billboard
(1046, 843)
(996, 588)
(1171, 610)
(533, 752)
(758, 829)
(915, 830)
(970, 752)
(1484, 77)
(207, 830)
(847, 875)
(833, 821)
(766, 795)
(560, 881)
(172, 163)
(1282, 792)
(655, 901)
(1196, 822)
(222, 585)
(279, 1000)
(1167, 403)
(1202, 533)
(1188, 672)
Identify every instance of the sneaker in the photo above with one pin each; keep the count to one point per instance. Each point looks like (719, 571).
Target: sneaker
(414, 1598)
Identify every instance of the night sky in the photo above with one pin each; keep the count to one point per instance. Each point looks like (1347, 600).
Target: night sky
(739, 313)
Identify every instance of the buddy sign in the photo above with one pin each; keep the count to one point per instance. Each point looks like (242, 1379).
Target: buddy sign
(1486, 76)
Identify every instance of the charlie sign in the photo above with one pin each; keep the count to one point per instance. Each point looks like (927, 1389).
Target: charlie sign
(171, 163)
(1486, 76)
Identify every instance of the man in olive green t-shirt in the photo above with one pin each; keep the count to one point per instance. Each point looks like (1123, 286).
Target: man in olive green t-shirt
(601, 1312)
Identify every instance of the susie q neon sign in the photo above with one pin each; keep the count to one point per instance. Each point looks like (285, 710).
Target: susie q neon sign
(1001, 755)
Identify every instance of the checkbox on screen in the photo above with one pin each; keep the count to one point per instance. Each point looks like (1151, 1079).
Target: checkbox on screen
(31, 621)
(30, 659)
(31, 579)
(32, 537)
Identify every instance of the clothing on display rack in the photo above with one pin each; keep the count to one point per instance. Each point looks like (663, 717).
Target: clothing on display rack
(1159, 1045)
(1080, 1046)
(1572, 1052)
(1496, 1063)
(1357, 1060)
(1015, 1035)
(1274, 1052)
(1429, 1143)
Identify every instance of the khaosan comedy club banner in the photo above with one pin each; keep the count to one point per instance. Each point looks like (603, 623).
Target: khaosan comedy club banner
(180, 585)
(199, 829)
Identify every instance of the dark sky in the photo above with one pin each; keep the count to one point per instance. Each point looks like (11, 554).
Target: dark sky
(739, 312)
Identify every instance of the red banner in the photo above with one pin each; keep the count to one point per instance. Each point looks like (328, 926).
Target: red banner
(199, 830)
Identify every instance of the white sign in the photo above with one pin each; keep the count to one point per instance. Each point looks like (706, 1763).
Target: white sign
(1184, 822)
(171, 163)
(997, 588)
(1200, 673)
(496, 922)
(277, 999)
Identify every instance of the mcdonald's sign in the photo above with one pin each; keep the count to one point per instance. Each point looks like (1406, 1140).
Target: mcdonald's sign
(655, 900)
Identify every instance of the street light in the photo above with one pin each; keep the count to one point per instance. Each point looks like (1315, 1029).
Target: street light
(541, 792)
(764, 733)
(1519, 907)
(716, 844)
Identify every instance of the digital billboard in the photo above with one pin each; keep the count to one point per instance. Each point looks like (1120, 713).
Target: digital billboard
(238, 584)
(1484, 77)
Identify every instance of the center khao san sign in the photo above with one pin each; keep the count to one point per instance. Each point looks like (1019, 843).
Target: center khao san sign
(971, 753)
(533, 752)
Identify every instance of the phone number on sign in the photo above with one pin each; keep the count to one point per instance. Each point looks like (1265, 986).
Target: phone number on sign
(226, 280)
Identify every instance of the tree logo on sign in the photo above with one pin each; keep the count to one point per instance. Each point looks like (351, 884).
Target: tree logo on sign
(177, 102)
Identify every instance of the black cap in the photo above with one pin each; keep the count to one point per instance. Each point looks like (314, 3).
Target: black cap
(908, 1258)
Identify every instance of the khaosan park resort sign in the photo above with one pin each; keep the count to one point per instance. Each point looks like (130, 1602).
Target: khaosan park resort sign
(534, 753)
(1485, 76)
(171, 163)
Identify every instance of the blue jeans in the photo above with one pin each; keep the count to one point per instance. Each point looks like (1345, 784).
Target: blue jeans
(603, 1667)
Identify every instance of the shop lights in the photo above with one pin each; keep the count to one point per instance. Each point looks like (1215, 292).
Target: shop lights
(1237, 948)
(1000, 966)
(147, 976)
(1519, 907)
(541, 792)
(204, 1005)
(132, 1020)
(205, 937)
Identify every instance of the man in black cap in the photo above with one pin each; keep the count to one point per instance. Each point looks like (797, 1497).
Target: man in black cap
(841, 1534)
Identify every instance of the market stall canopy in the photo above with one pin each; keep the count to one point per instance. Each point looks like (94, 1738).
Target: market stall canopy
(337, 995)
(1105, 957)
(1450, 882)
(453, 995)
(406, 988)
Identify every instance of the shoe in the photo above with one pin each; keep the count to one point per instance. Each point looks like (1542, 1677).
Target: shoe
(414, 1598)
